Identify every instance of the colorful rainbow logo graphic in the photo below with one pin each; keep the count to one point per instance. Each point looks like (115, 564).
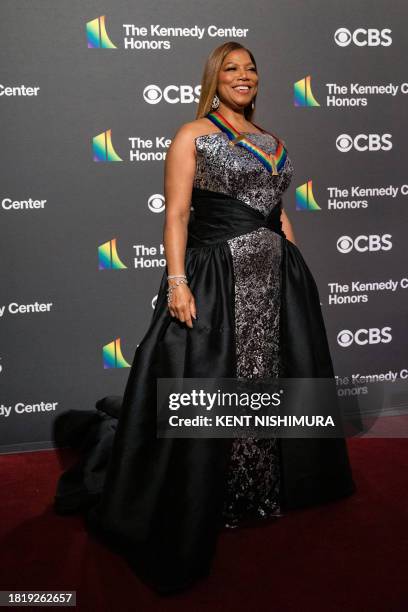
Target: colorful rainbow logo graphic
(97, 35)
(305, 199)
(303, 93)
(102, 148)
(112, 356)
(108, 257)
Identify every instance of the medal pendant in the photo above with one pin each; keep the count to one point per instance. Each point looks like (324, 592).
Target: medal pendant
(235, 140)
(273, 163)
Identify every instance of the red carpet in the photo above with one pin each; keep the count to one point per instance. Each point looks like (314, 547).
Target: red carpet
(348, 555)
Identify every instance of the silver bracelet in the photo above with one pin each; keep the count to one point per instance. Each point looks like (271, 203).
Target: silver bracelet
(177, 276)
(171, 288)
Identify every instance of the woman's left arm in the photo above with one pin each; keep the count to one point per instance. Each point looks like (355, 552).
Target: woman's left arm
(287, 227)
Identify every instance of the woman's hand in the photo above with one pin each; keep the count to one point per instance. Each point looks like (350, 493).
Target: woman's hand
(182, 304)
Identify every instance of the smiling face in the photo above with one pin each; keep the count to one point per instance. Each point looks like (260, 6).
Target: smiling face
(237, 80)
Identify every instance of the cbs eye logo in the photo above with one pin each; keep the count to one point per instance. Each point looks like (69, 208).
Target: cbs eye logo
(372, 243)
(152, 94)
(364, 142)
(363, 37)
(156, 203)
(361, 337)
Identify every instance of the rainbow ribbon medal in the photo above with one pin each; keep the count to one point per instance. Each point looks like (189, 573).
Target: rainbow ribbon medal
(273, 162)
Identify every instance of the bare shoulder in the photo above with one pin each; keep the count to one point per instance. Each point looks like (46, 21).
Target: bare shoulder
(189, 131)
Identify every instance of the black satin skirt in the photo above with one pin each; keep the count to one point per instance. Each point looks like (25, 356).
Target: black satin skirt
(158, 501)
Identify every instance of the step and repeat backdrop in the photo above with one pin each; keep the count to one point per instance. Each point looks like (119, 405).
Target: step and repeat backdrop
(91, 94)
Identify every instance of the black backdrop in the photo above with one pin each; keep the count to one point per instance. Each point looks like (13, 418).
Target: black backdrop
(84, 85)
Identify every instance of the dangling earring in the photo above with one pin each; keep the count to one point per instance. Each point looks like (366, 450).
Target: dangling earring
(216, 102)
(252, 105)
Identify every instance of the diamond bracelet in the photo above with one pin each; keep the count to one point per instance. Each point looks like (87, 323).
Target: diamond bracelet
(182, 278)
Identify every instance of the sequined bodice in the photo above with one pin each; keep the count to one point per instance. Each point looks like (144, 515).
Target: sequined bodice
(235, 171)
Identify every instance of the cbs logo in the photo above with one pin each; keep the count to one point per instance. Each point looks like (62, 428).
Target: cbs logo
(363, 37)
(361, 337)
(172, 94)
(156, 203)
(364, 142)
(362, 243)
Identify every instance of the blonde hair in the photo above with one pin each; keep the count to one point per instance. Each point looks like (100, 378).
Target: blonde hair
(210, 78)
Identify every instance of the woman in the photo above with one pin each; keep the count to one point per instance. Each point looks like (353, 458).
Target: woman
(236, 300)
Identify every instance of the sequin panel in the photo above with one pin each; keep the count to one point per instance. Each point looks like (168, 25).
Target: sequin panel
(234, 170)
(253, 475)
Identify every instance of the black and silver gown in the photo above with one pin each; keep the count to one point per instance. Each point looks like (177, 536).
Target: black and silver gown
(161, 502)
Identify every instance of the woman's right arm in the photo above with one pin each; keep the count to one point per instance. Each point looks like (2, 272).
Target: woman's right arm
(179, 172)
